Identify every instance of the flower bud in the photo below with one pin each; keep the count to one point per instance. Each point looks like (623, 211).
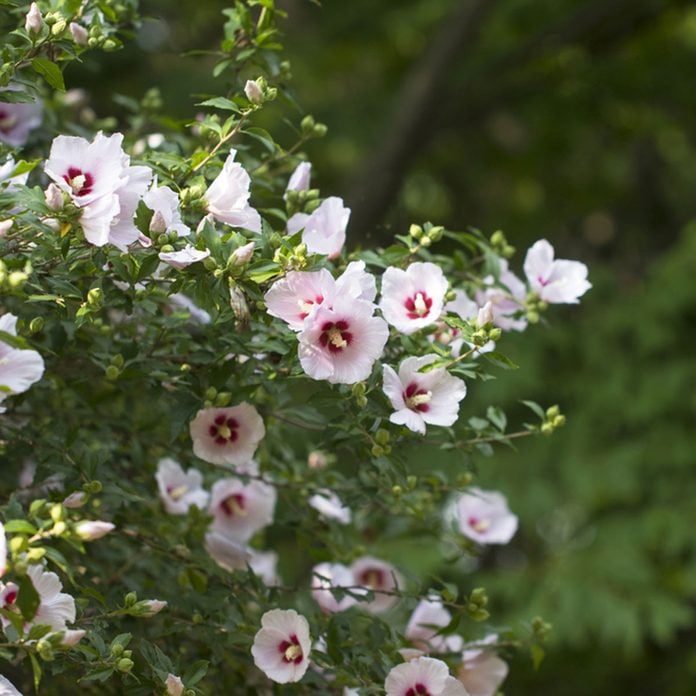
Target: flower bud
(125, 664)
(382, 436)
(158, 224)
(436, 233)
(130, 599)
(552, 412)
(495, 334)
(307, 124)
(112, 373)
(485, 315)
(416, 231)
(33, 21)
(59, 27)
(45, 649)
(91, 530)
(150, 607)
(54, 197)
(5, 227)
(57, 512)
(242, 255)
(175, 687)
(75, 500)
(317, 460)
(79, 34)
(36, 324)
(320, 130)
(253, 92)
(72, 637)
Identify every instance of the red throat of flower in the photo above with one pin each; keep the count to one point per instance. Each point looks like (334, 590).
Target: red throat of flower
(418, 306)
(335, 336)
(291, 650)
(224, 430)
(80, 182)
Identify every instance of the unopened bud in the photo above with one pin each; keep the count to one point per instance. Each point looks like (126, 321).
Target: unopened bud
(416, 231)
(320, 130)
(75, 500)
(158, 224)
(130, 599)
(175, 687)
(485, 315)
(382, 436)
(59, 27)
(253, 92)
(91, 530)
(552, 412)
(436, 233)
(5, 227)
(150, 607)
(125, 664)
(36, 324)
(307, 124)
(495, 334)
(54, 197)
(316, 460)
(242, 255)
(72, 637)
(79, 34)
(33, 21)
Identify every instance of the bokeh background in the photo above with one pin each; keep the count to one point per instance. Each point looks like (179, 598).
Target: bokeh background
(564, 119)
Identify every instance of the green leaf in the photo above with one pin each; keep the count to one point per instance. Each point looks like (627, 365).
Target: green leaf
(536, 408)
(27, 598)
(221, 103)
(50, 72)
(19, 527)
(500, 360)
(538, 653)
(195, 673)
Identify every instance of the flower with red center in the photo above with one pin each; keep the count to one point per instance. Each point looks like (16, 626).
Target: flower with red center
(424, 676)
(423, 397)
(340, 344)
(281, 647)
(413, 298)
(240, 509)
(381, 578)
(555, 281)
(482, 671)
(299, 294)
(99, 179)
(178, 490)
(227, 436)
(324, 231)
(484, 517)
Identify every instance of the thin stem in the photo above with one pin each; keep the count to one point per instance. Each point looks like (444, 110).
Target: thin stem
(224, 140)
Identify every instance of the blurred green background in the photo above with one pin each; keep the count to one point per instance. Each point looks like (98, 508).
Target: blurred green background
(570, 120)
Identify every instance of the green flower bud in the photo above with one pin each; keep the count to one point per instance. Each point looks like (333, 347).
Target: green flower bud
(209, 263)
(495, 334)
(377, 451)
(130, 599)
(35, 555)
(498, 238)
(117, 650)
(117, 360)
(110, 45)
(36, 324)
(416, 231)
(125, 664)
(435, 233)
(320, 130)
(479, 596)
(59, 528)
(559, 421)
(59, 27)
(92, 487)
(397, 491)
(18, 544)
(426, 241)
(508, 251)
(547, 429)
(112, 373)
(552, 412)
(533, 317)
(16, 279)
(223, 399)
(382, 436)
(361, 401)
(412, 481)
(307, 124)
(57, 512)
(45, 650)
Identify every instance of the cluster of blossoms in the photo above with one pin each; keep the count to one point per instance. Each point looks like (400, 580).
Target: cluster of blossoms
(349, 326)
